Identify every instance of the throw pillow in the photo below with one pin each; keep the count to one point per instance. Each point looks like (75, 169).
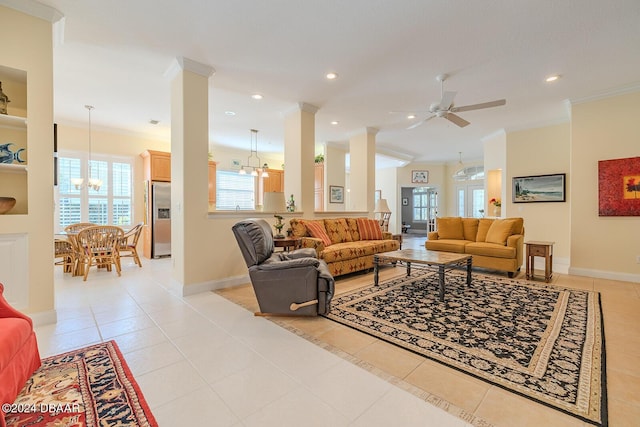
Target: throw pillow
(369, 229)
(450, 228)
(499, 231)
(483, 228)
(316, 230)
(338, 230)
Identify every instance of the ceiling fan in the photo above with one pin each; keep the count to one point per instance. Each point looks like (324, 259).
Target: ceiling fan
(446, 109)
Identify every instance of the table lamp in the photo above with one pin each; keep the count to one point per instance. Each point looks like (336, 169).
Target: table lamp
(274, 202)
(385, 213)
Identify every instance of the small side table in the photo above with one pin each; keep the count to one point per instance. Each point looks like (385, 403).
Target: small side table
(541, 249)
(288, 243)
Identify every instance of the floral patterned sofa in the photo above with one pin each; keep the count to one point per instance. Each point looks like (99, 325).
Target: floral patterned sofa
(347, 245)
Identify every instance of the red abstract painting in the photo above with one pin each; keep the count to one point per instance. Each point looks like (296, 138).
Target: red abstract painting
(619, 187)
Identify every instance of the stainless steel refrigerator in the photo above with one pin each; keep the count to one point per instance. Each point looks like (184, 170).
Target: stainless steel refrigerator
(161, 221)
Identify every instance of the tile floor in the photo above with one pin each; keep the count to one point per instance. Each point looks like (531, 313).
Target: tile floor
(205, 361)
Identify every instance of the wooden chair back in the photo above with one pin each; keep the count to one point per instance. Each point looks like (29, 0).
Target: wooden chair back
(99, 246)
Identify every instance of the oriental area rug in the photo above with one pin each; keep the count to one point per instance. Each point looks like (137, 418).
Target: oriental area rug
(91, 386)
(541, 341)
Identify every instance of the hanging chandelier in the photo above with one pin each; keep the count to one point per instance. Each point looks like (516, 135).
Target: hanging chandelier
(93, 183)
(249, 168)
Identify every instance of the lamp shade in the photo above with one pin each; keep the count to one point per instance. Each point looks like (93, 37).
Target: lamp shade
(382, 206)
(273, 202)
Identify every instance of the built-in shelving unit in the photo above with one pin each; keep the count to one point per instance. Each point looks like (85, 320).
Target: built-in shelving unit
(13, 141)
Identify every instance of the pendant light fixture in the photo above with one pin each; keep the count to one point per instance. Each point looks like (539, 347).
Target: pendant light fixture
(94, 183)
(248, 168)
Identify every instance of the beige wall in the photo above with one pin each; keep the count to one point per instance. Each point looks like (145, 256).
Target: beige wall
(541, 151)
(26, 44)
(601, 130)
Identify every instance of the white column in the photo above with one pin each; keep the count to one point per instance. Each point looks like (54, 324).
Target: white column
(299, 153)
(362, 149)
(189, 168)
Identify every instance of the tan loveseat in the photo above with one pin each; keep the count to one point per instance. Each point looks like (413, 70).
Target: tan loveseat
(346, 252)
(495, 244)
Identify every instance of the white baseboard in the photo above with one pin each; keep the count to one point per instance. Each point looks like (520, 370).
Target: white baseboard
(604, 274)
(210, 285)
(42, 318)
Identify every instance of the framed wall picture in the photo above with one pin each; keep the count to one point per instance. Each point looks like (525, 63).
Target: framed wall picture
(619, 187)
(539, 188)
(336, 194)
(419, 176)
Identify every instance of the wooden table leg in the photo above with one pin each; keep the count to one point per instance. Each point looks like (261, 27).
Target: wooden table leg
(441, 282)
(375, 270)
(469, 271)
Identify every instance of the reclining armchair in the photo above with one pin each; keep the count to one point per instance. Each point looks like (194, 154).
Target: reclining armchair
(288, 283)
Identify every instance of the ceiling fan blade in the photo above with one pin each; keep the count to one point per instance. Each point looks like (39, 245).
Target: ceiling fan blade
(456, 120)
(415, 125)
(480, 106)
(447, 100)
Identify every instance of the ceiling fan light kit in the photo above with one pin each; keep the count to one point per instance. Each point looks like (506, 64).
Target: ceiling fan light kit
(445, 108)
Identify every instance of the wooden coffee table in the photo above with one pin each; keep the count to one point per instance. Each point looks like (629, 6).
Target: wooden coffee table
(442, 261)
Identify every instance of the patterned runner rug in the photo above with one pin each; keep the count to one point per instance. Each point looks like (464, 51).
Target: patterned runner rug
(541, 341)
(91, 386)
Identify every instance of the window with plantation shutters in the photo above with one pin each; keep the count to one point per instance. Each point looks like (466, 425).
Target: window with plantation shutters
(111, 204)
(235, 191)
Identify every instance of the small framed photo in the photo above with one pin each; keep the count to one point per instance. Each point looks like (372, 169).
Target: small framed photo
(405, 201)
(419, 177)
(336, 194)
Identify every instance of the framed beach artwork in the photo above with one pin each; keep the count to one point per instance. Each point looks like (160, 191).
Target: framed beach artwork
(539, 188)
(619, 187)
(336, 194)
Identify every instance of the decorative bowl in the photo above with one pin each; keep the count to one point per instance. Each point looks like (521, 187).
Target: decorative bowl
(6, 204)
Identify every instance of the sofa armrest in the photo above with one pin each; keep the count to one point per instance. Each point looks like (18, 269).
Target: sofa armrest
(517, 241)
(387, 235)
(432, 235)
(313, 243)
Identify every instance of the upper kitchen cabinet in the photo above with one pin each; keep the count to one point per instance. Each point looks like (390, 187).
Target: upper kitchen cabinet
(157, 165)
(13, 138)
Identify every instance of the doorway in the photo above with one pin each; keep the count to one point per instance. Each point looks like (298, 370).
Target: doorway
(470, 201)
(419, 209)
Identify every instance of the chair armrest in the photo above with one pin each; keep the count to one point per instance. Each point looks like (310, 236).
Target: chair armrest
(291, 263)
(7, 311)
(432, 235)
(300, 253)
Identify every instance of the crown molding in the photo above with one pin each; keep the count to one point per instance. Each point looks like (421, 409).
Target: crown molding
(185, 64)
(625, 90)
(35, 9)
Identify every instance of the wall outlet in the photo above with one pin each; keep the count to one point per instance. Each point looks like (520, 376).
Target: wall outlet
(638, 259)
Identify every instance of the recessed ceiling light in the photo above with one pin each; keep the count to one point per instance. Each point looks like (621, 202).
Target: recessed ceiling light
(230, 113)
(552, 78)
(256, 96)
(331, 76)
(411, 116)
(154, 122)
(335, 122)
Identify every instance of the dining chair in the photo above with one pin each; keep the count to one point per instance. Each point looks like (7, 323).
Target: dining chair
(64, 255)
(129, 242)
(99, 247)
(74, 228)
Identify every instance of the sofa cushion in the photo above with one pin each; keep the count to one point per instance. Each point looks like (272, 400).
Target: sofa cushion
(338, 230)
(483, 227)
(362, 248)
(450, 228)
(14, 332)
(369, 229)
(316, 229)
(499, 231)
(447, 245)
(352, 223)
(490, 250)
(297, 227)
(470, 228)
